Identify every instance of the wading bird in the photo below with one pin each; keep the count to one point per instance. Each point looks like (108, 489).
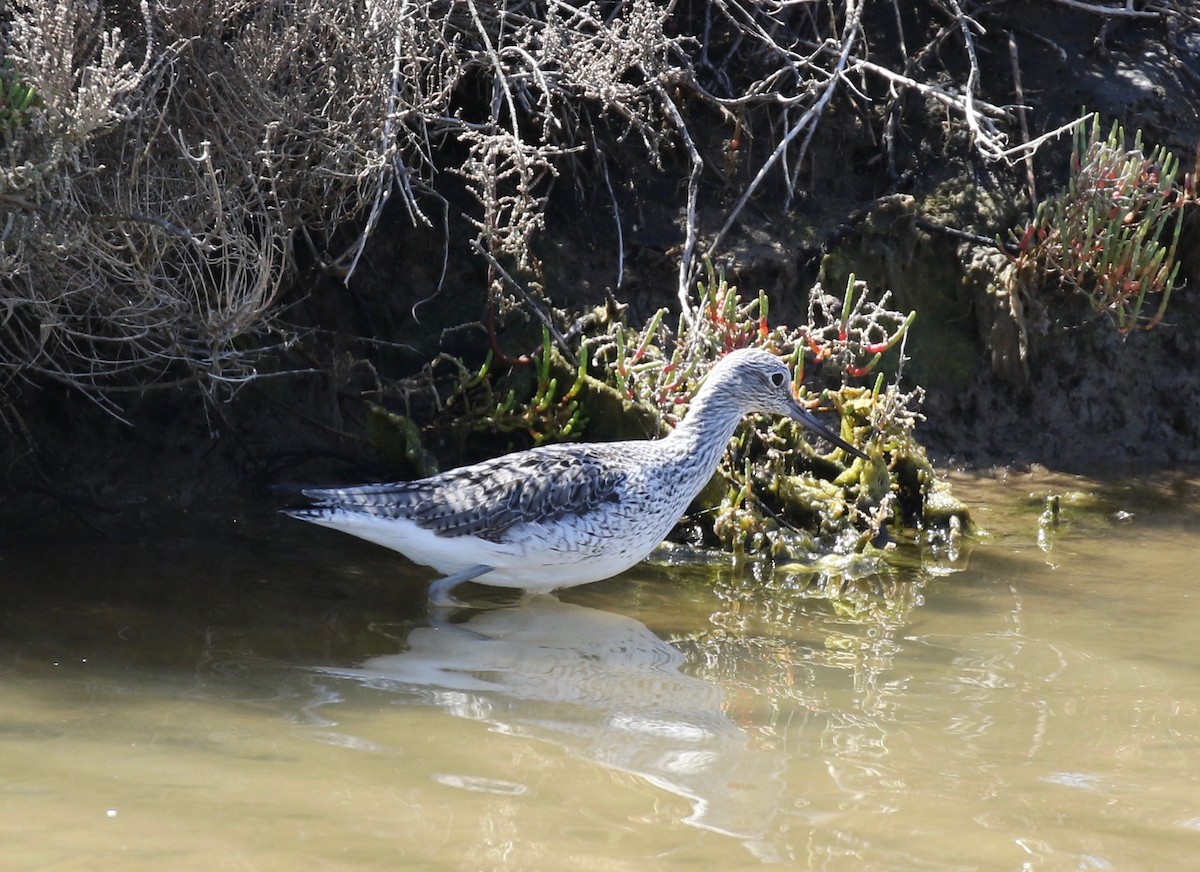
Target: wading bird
(562, 515)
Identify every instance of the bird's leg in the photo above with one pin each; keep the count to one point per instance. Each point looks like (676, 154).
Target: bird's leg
(439, 619)
(439, 591)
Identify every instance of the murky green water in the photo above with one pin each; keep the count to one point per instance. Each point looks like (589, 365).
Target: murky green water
(257, 695)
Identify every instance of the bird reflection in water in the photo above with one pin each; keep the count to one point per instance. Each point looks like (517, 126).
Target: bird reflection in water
(603, 687)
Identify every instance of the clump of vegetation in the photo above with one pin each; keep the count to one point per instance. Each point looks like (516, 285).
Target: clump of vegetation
(538, 406)
(1113, 234)
(452, 406)
(776, 494)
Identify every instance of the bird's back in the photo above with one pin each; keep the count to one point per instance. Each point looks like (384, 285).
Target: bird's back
(486, 500)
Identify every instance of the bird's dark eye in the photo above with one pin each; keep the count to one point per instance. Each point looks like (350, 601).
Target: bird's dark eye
(777, 379)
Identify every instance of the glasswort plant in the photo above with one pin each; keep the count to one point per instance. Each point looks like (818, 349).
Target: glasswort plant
(1113, 234)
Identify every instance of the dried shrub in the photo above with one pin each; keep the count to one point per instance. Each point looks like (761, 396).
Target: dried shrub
(155, 190)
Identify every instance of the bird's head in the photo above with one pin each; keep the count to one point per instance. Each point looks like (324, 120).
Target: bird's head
(758, 381)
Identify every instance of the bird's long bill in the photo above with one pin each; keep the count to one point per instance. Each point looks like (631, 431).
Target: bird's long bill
(809, 420)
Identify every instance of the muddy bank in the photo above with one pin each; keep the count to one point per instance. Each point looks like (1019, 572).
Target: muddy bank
(1062, 389)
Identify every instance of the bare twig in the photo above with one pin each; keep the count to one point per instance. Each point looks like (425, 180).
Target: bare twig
(687, 259)
(617, 221)
(1126, 11)
(1019, 93)
(988, 142)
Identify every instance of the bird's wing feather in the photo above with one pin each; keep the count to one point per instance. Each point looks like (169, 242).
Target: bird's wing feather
(489, 498)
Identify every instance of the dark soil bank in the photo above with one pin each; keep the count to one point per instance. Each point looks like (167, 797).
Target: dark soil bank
(1008, 380)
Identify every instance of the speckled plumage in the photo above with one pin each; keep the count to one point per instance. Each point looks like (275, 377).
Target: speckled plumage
(563, 515)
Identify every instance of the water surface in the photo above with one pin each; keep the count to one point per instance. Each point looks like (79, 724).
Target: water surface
(250, 693)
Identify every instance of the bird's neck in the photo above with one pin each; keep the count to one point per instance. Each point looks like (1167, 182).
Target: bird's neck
(701, 437)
